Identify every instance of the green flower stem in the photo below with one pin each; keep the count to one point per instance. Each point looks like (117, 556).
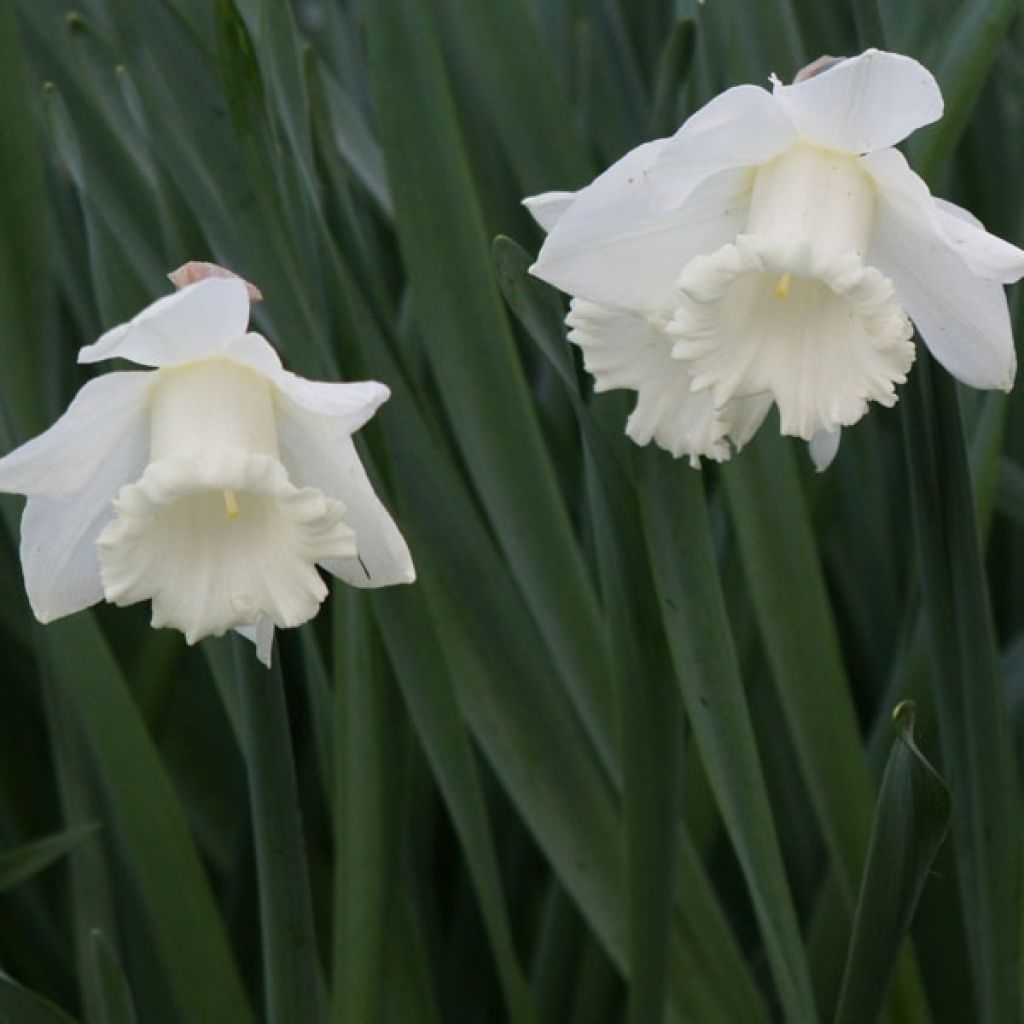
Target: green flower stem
(294, 989)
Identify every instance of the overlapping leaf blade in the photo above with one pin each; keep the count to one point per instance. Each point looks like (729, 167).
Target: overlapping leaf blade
(910, 824)
(20, 864)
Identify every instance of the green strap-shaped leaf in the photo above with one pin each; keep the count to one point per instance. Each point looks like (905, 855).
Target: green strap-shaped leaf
(19, 1006)
(787, 588)
(348, 133)
(367, 804)
(317, 686)
(115, 995)
(507, 690)
(469, 346)
(430, 697)
(292, 980)
(698, 635)
(148, 825)
(18, 865)
(26, 280)
(742, 42)
(962, 64)
(794, 614)
(648, 711)
(692, 605)
(409, 995)
(529, 109)
(513, 696)
(673, 68)
(868, 19)
(91, 888)
(911, 820)
(967, 684)
(649, 727)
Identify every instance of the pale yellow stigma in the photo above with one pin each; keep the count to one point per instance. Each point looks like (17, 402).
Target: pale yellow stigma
(782, 288)
(231, 504)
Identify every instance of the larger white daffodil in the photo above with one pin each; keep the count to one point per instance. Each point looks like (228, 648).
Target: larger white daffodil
(775, 250)
(212, 486)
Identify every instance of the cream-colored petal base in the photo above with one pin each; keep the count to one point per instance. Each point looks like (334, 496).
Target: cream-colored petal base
(218, 541)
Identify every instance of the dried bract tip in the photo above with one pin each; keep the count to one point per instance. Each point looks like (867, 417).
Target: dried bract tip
(816, 67)
(197, 270)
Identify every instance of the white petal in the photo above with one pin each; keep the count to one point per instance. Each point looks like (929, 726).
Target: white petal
(318, 452)
(863, 104)
(742, 127)
(107, 413)
(813, 327)
(824, 447)
(951, 209)
(611, 185)
(963, 318)
(194, 323)
(548, 207)
(58, 538)
(254, 351)
(986, 254)
(351, 404)
(628, 251)
(262, 635)
(347, 406)
(217, 542)
(624, 350)
(745, 416)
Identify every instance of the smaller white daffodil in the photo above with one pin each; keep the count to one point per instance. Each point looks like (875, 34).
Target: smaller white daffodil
(213, 485)
(779, 248)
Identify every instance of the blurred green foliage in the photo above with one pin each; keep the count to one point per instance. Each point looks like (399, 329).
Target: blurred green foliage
(618, 756)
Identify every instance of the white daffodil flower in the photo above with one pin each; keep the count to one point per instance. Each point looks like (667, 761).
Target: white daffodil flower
(212, 486)
(776, 250)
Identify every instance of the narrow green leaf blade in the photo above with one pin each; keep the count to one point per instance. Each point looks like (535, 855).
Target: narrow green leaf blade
(116, 1003)
(693, 608)
(294, 988)
(685, 579)
(470, 348)
(793, 610)
(647, 711)
(26, 280)
(367, 802)
(431, 700)
(537, 307)
(649, 717)
(530, 112)
(911, 820)
(967, 684)
(19, 1006)
(962, 65)
(673, 68)
(148, 825)
(18, 865)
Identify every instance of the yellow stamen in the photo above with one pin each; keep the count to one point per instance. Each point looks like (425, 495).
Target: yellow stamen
(231, 504)
(782, 288)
